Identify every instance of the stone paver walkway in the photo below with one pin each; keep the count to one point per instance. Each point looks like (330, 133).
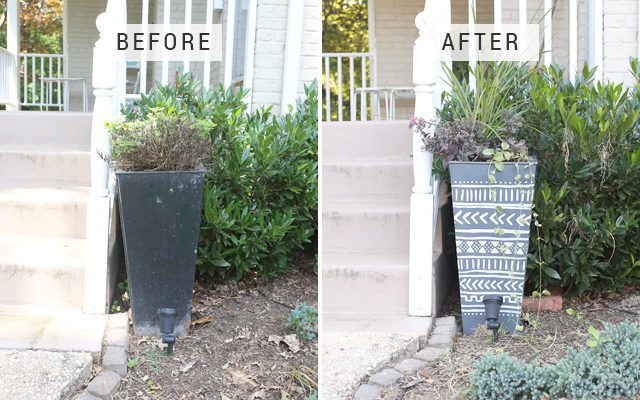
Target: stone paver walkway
(440, 342)
(353, 348)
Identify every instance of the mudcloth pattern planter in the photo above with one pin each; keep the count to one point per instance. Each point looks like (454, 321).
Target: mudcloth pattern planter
(160, 217)
(492, 224)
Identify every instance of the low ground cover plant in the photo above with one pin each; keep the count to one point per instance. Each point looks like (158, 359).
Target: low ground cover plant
(607, 369)
(260, 202)
(304, 321)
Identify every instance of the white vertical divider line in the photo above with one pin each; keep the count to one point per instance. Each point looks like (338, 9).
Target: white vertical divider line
(573, 39)
(497, 13)
(206, 70)
(41, 82)
(472, 43)
(250, 50)
(339, 89)
(352, 93)
(522, 12)
(363, 95)
(327, 83)
(638, 38)
(548, 31)
(595, 37)
(33, 78)
(186, 60)
(166, 19)
(143, 56)
(229, 41)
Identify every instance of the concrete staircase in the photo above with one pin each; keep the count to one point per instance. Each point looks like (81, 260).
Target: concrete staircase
(367, 180)
(44, 188)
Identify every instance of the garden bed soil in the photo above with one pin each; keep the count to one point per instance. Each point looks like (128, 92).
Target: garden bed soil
(232, 351)
(545, 339)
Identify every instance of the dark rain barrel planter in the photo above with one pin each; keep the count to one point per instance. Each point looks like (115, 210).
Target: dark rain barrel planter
(492, 223)
(160, 217)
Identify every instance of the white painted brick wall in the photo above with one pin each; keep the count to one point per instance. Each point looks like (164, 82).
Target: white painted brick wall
(268, 67)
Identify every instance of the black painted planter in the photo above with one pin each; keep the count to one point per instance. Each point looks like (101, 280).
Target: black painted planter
(160, 217)
(492, 224)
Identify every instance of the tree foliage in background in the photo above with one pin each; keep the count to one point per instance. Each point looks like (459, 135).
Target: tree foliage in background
(344, 26)
(40, 26)
(345, 29)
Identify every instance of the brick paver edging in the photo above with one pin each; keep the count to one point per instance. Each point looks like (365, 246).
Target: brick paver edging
(114, 361)
(440, 342)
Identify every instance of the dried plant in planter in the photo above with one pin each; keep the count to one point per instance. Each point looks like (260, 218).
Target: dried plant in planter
(159, 143)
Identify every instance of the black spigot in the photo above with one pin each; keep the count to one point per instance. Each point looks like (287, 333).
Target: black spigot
(492, 305)
(167, 318)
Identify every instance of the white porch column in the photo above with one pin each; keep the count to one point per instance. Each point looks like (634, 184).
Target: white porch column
(293, 46)
(425, 75)
(13, 46)
(108, 82)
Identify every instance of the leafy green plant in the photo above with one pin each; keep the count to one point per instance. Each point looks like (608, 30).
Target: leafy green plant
(260, 205)
(304, 320)
(586, 138)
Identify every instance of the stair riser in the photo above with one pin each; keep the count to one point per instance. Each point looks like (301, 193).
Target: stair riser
(354, 180)
(374, 140)
(73, 168)
(42, 287)
(365, 231)
(59, 219)
(43, 129)
(373, 292)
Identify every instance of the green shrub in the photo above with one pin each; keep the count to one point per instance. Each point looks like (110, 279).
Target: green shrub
(609, 369)
(304, 320)
(587, 199)
(500, 377)
(260, 204)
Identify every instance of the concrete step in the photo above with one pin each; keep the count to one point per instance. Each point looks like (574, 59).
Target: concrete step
(372, 140)
(366, 283)
(46, 128)
(41, 271)
(66, 164)
(358, 178)
(363, 229)
(42, 209)
(56, 329)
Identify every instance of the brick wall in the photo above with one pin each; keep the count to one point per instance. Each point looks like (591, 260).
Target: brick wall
(268, 63)
(620, 38)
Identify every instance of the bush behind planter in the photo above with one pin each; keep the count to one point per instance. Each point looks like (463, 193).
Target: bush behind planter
(588, 197)
(260, 205)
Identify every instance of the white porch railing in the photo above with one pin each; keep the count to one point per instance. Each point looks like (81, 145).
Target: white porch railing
(8, 68)
(40, 81)
(347, 75)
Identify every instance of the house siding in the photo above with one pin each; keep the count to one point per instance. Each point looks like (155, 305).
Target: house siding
(268, 64)
(83, 34)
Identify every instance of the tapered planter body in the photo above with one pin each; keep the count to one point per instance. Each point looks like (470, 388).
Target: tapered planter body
(492, 224)
(160, 216)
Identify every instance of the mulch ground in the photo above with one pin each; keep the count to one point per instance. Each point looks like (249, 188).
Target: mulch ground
(238, 346)
(545, 339)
